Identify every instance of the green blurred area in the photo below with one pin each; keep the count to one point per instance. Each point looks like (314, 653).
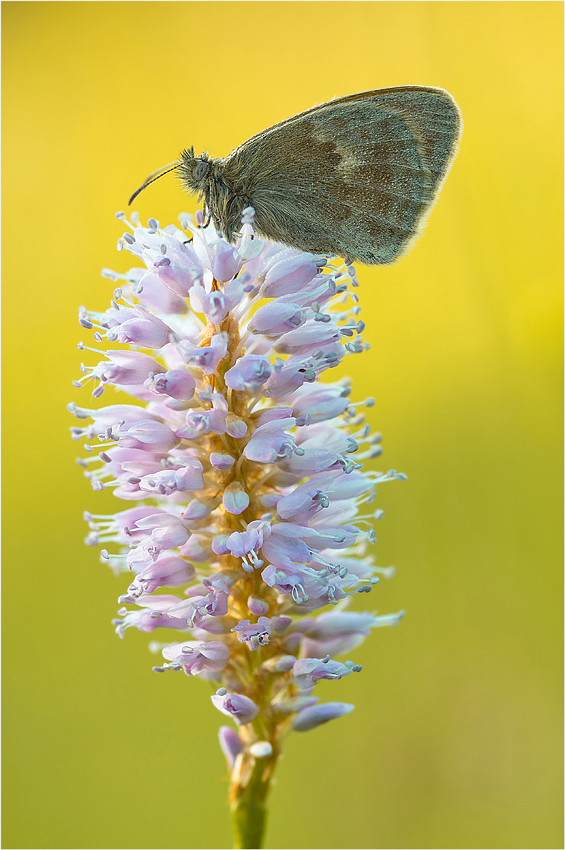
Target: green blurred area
(456, 740)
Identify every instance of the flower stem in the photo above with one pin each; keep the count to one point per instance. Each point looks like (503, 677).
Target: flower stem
(248, 793)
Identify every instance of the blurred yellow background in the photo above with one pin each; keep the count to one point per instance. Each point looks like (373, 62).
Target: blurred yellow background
(456, 738)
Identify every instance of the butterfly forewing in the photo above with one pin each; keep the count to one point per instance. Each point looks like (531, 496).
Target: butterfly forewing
(354, 176)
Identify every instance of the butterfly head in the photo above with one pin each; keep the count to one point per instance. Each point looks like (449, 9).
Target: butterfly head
(195, 171)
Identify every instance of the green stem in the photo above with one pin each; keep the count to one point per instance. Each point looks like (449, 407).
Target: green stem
(248, 802)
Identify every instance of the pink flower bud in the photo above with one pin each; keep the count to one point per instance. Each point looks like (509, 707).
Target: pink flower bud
(315, 715)
(176, 383)
(235, 499)
(242, 709)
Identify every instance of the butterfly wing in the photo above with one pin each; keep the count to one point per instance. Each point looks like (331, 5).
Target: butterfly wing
(355, 176)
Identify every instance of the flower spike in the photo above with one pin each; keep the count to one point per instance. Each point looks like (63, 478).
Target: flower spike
(246, 534)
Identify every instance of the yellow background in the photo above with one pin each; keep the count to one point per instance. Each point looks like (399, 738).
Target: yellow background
(456, 738)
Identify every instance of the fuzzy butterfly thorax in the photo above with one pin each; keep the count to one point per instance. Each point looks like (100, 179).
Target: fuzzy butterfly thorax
(223, 199)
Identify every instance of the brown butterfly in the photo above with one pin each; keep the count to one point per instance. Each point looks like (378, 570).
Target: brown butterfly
(355, 177)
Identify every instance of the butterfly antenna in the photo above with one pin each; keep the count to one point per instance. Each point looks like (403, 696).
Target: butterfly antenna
(155, 176)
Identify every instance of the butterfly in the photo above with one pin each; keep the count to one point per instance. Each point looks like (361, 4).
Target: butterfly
(355, 177)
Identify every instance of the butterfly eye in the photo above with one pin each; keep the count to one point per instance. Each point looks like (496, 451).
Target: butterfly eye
(200, 169)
